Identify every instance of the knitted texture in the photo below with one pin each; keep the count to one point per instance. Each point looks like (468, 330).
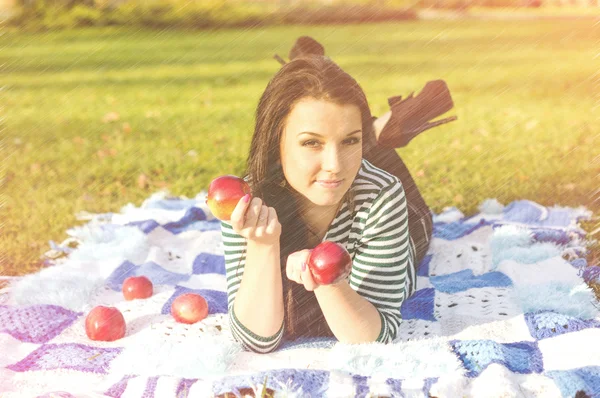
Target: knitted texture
(217, 301)
(500, 300)
(420, 306)
(465, 280)
(67, 356)
(591, 274)
(546, 324)
(476, 355)
(455, 230)
(312, 382)
(35, 323)
(585, 379)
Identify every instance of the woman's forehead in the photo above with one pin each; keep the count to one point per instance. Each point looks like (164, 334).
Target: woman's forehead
(322, 116)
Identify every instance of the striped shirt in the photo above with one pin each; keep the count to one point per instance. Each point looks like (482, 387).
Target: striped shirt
(377, 238)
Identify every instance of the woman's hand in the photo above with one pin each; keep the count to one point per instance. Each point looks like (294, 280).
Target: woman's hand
(296, 269)
(255, 221)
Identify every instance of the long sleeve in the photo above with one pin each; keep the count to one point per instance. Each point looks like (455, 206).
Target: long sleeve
(383, 267)
(235, 260)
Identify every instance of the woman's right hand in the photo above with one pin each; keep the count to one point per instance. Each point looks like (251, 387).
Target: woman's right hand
(255, 221)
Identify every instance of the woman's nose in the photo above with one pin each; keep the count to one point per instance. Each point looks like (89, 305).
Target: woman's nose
(333, 160)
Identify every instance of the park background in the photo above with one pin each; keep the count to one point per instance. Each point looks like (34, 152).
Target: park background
(103, 103)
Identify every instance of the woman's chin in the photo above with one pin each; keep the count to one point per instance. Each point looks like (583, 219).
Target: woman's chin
(325, 199)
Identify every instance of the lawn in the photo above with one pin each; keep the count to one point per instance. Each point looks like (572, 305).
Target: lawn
(95, 119)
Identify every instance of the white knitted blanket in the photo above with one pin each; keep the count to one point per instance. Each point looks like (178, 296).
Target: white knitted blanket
(502, 309)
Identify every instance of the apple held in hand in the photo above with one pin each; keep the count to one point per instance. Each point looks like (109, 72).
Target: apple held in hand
(105, 324)
(137, 287)
(189, 308)
(224, 193)
(329, 263)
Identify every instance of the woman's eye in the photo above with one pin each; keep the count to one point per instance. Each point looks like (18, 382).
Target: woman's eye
(312, 143)
(309, 143)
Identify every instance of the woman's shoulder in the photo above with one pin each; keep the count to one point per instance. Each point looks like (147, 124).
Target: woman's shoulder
(374, 179)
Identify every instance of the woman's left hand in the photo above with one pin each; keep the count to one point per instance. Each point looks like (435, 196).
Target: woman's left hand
(297, 270)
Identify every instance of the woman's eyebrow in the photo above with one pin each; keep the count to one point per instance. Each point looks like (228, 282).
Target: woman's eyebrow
(319, 135)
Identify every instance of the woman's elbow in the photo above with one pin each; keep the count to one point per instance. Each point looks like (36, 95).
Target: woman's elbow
(266, 350)
(258, 350)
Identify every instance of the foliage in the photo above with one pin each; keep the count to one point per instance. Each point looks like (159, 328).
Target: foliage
(45, 15)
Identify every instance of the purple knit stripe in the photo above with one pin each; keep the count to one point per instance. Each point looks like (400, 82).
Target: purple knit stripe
(591, 274)
(119, 388)
(150, 387)
(184, 387)
(361, 385)
(36, 324)
(68, 356)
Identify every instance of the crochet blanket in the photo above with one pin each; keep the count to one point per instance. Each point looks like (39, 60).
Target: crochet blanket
(502, 309)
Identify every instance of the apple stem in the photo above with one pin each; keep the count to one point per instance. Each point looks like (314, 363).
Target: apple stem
(263, 394)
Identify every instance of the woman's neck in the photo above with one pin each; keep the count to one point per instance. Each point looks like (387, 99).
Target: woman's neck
(319, 218)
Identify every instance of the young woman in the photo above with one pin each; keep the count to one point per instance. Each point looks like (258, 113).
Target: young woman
(317, 173)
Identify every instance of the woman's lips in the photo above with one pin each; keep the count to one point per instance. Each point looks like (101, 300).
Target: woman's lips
(329, 184)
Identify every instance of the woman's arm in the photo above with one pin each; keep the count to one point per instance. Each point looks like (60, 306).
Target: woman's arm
(254, 286)
(236, 250)
(351, 317)
(368, 308)
(259, 299)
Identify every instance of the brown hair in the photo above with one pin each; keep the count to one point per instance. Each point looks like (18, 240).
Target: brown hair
(317, 77)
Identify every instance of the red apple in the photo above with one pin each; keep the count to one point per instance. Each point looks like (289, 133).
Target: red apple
(105, 324)
(329, 263)
(137, 287)
(224, 193)
(189, 308)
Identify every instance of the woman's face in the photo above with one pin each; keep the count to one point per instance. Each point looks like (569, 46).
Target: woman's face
(321, 141)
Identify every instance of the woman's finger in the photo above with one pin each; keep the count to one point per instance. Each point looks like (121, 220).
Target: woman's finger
(289, 268)
(237, 216)
(272, 221)
(253, 213)
(293, 265)
(307, 279)
(263, 217)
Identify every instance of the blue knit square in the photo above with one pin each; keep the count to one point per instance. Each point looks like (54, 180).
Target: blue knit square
(524, 211)
(545, 324)
(456, 230)
(145, 226)
(586, 379)
(423, 269)
(476, 355)
(157, 275)
(206, 263)
(192, 215)
(465, 280)
(420, 305)
(216, 300)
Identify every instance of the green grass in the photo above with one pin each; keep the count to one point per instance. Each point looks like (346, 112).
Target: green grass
(525, 95)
